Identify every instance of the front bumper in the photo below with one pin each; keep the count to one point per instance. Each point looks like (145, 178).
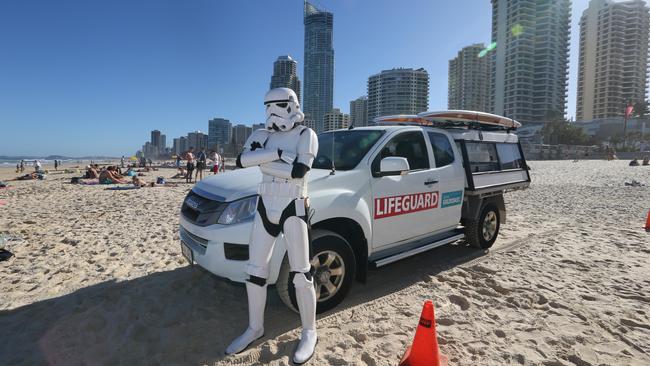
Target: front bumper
(207, 245)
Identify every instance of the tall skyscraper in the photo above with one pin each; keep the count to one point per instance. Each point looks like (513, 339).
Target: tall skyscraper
(197, 139)
(240, 134)
(318, 64)
(258, 126)
(613, 61)
(469, 78)
(335, 119)
(163, 143)
(530, 58)
(285, 74)
(359, 112)
(155, 138)
(398, 91)
(219, 132)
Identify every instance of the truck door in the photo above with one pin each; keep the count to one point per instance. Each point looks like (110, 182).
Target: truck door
(404, 206)
(449, 167)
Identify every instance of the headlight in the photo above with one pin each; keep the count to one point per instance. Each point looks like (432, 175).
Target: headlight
(239, 211)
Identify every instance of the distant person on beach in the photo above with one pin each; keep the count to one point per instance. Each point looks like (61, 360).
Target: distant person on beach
(646, 160)
(189, 157)
(122, 161)
(37, 166)
(56, 164)
(178, 161)
(201, 164)
(22, 166)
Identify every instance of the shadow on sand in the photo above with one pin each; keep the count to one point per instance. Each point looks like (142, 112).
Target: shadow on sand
(184, 316)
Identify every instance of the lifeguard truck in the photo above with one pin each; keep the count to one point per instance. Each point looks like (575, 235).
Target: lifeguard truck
(379, 194)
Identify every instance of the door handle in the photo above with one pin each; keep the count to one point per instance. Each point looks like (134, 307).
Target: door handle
(430, 182)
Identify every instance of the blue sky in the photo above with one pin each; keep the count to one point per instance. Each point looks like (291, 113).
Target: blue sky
(82, 77)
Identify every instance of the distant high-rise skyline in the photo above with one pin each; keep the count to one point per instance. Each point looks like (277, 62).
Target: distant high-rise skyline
(398, 91)
(530, 57)
(285, 74)
(335, 120)
(613, 61)
(318, 97)
(155, 138)
(469, 77)
(359, 112)
(219, 131)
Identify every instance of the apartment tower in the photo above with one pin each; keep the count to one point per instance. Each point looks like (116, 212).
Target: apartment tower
(529, 60)
(612, 69)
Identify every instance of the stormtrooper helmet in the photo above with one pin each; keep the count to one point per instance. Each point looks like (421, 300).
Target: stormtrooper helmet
(282, 109)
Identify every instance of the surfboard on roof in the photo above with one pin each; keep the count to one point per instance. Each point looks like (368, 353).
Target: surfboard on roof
(453, 118)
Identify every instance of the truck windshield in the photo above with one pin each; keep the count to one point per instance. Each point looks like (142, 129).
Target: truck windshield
(347, 146)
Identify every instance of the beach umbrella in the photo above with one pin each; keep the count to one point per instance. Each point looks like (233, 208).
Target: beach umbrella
(133, 158)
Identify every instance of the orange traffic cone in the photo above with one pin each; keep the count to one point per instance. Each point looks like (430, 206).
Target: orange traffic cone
(647, 223)
(424, 351)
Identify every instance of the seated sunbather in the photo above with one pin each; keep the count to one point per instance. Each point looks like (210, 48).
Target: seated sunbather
(138, 182)
(111, 177)
(91, 173)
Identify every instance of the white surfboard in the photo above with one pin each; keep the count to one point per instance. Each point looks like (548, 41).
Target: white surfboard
(469, 117)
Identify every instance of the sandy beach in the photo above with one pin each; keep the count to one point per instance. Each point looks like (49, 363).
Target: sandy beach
(98, 279)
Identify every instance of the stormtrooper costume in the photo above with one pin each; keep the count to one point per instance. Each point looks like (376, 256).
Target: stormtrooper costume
(284, 152)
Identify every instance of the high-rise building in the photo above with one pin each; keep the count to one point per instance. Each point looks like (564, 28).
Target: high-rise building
(335, 119)
(529, 56)
(176, 146)
(219, 132)
(309, 122)
(318, 64)
(469, 78)
(163, 143)
(240, 134)
(183, 145)
(285, 74)
(612, 70)
(258, 126)
(155, 138)
(359, 112)
(197, 139)
(398, 91)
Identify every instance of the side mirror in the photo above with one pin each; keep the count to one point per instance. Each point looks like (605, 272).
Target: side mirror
(393, 165)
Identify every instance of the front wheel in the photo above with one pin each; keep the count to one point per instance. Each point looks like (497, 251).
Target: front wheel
(483, 232)
(333, 267)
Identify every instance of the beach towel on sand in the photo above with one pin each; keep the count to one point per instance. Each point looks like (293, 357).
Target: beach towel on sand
(122, 188)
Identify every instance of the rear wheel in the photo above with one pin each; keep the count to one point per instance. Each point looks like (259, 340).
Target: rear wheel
(333, 269)
(482, 232)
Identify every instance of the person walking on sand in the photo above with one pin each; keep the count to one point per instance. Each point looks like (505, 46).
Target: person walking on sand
(22, 166)
(37, 166)
(122, 161)
(56, 165)
(189, 156)
(201, 164)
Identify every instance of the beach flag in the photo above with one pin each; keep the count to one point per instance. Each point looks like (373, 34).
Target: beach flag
(628, 110)
(424, 351)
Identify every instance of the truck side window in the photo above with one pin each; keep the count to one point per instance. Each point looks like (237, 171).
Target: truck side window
(482, 157)
(442, 151)
(509, 156)
(409, 145)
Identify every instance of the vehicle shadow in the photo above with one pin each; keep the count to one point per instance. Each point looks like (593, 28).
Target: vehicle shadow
(184, 316)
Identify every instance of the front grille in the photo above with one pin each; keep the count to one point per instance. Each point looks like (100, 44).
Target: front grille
(201, 211)
(197, 243)
(235, 252)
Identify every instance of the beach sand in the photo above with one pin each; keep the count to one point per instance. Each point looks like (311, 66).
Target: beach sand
(98, 278)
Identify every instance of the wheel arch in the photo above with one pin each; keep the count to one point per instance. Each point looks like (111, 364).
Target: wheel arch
(473, 204)
(353, 233)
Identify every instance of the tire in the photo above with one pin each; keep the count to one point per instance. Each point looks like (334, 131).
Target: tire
(324, 244)
(483, 232)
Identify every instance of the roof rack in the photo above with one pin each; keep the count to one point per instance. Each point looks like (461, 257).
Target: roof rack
(453, 119)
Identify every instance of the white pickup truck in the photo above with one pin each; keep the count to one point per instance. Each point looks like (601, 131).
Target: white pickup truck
(379, 194)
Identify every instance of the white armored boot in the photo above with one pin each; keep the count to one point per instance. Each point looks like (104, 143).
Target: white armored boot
(255, 330)
(306, 299)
